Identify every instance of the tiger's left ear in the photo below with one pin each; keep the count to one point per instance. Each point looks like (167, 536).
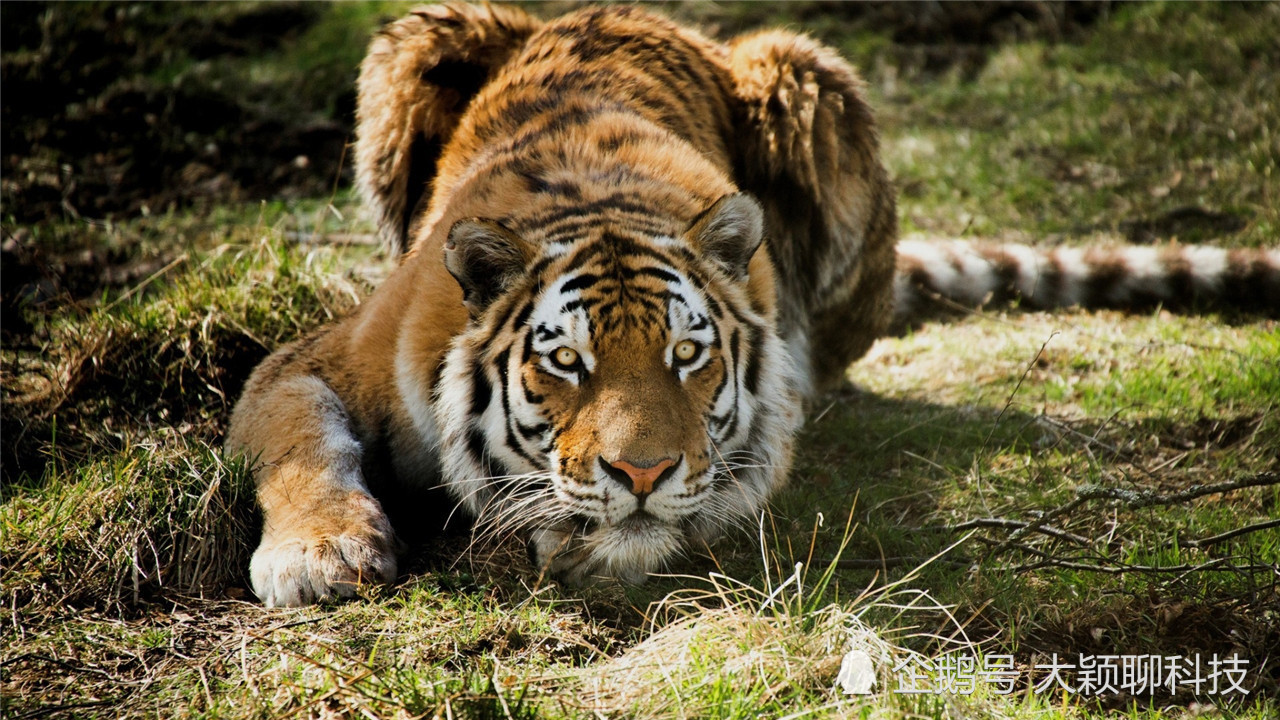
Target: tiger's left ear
(485, 258)
(729, 232)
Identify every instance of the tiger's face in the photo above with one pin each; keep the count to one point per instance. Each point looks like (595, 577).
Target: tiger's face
(617, 396)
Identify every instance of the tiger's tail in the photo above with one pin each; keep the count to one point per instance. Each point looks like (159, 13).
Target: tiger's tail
(932, 276)
(415, 83)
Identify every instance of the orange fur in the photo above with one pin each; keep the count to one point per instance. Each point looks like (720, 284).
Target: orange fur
(577, 185)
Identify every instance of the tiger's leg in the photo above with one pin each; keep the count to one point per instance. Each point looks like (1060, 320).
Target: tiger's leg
(323, 533)
(810, 153)
(415, 83)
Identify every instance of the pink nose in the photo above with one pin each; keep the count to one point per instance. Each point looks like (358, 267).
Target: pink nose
(643, 478)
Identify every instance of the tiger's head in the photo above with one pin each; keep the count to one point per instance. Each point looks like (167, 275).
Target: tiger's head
(618, 393)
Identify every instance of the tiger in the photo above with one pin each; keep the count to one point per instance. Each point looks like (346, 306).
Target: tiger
(629, 259)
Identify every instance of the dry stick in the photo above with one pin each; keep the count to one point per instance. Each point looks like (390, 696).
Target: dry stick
(1134, 500)
(893, 562)
(1217, 565)
(1015, 524)
(1008, 403)
(1057, 424)
(151, 278)
(51, 709)
(1215, 539)
(1047, 560)
(1095, 440)
(337, 238)
(1137, 499)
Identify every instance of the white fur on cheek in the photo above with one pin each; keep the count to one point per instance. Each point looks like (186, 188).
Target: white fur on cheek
(464, 478)
(415, 393)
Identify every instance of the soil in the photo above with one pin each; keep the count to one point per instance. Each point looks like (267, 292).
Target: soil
(93, 128)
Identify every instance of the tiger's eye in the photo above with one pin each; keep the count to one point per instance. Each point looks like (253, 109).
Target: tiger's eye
(686, 350)
(565, 357)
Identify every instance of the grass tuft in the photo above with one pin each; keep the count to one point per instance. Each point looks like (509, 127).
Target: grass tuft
(170, 516)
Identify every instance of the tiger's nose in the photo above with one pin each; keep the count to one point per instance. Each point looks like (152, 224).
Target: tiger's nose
(640, 479)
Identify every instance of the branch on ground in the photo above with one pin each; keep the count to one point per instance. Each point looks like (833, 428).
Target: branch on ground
(1092, 559)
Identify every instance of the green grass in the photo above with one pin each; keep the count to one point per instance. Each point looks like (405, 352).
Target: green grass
(1158, 109)
(124, 534)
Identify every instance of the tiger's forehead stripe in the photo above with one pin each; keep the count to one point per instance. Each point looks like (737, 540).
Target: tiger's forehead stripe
(632, 288)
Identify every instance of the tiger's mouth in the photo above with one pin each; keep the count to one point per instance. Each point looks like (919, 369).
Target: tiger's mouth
(637, 522)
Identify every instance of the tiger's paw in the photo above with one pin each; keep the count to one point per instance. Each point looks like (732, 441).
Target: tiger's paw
(562, 557)
(294, 570)
(565, 557)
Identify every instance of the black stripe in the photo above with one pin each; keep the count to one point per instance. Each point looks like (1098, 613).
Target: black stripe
(479, 452)
(731, 423)
(659, 273)
(579, 496)
(481, 390)
(539, 267)
(753, 360)
(582, 282)
(530, 396)
(714, 305)
(545, 333)
(523, 316)
(576, 228)
(724, 380)
(532, 432)
(615, 202)
(501, 363)
(512, 442)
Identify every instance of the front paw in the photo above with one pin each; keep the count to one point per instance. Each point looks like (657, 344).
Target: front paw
(560, 556)
(567, 557)
(301, 569)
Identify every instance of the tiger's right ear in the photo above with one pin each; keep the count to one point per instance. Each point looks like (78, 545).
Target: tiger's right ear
(485, 258)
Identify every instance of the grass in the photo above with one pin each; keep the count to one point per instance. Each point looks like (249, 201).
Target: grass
(124, 534)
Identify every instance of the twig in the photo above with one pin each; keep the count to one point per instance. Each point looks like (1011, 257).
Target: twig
(1216, 565)
(1015, 524)
(889, 562)
(150, 278)
(1013, 393)
(1137, 499)
(1215, 539)
(51, 709)
(306, 238)
(55, 661)
(1057, 424)
(1134, 500)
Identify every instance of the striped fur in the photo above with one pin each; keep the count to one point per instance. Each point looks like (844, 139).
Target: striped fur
(629, 256)
(423, 69)
(936, 276)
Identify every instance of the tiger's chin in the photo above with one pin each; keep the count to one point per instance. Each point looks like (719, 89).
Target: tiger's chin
(627, 551)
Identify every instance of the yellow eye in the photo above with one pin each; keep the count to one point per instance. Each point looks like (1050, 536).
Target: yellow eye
(686, 350)
(565, 357)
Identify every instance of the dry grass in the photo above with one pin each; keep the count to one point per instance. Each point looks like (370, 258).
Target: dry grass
(733, 645)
